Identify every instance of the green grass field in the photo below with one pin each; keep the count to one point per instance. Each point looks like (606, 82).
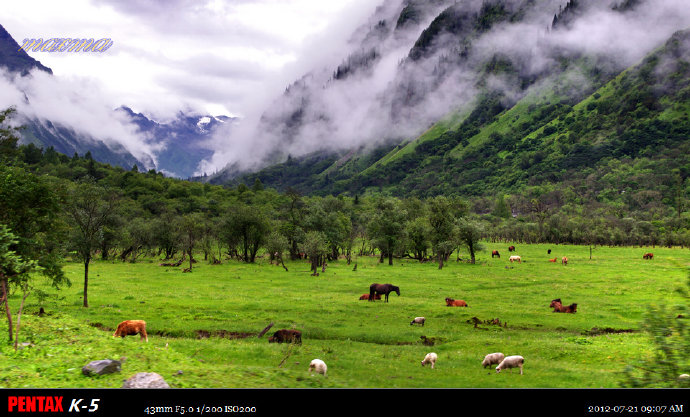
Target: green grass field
(365, 344)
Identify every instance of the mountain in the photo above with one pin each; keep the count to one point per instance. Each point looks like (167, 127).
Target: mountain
(505, 95)
(181, 140)
(174, 147)
(14, 59)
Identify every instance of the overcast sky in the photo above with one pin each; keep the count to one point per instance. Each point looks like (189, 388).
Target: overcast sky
(208, 56)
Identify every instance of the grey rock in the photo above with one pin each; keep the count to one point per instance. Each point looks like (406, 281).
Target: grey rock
(102, 367)
(146, 380)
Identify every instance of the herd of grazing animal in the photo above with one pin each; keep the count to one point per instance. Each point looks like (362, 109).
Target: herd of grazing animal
(134, 327)
(564, 260)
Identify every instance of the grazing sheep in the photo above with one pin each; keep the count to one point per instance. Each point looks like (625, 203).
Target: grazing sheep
(418, 320)
(430, 358)
(509, 362)
(132, 327)
(493, 359)
(318, 366)
(515, 258)
(683, 376)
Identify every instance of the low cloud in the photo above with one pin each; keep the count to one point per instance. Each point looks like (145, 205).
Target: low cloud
(397, 98)
(74, 103)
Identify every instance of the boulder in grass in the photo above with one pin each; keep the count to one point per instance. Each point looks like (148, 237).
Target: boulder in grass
(102, 367)
(146, 380)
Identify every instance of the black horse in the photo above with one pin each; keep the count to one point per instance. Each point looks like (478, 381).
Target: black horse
(384, 289)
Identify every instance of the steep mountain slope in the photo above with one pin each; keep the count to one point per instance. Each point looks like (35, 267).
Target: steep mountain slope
(14, 59)
(175, 147)
(527, 124)
(181, 140)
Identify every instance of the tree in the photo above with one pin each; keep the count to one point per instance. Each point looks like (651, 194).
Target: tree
(13, 269)
(670, 338)
(276, 244)
(164, 234)
(245, 227)
(9, 137)
(442, 222)
(292, 214)
(387, 227)
(191, 229)
(418, 231)
(89, 208)
(469, 234)
(315, 248)
(501, 209)
(30, 206)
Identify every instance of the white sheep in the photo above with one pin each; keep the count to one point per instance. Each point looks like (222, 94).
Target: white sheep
(515, 361)
(319, 366)
(493, 359)
(430, 358)
(418, 320)
(684, 376)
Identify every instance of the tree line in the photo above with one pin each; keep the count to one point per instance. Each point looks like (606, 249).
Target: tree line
(55, 207)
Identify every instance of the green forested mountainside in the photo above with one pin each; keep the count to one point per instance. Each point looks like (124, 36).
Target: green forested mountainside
(623, 144)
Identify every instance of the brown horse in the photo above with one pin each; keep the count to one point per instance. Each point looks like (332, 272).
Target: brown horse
(495, 253)
(366, 297)
(648, 256)
(379, 289)
(558, 307)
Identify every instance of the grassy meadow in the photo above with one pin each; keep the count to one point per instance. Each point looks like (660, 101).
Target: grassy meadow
(196, 321)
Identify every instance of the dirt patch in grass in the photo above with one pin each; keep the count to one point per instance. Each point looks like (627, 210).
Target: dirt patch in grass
(101, 326)
(476, 322)
(596, 331)
(225, 334)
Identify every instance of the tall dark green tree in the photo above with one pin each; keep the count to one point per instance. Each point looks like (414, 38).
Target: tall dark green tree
(30, 206)
(386, 227)
(442, 221)
(469, 234)
(246, 227)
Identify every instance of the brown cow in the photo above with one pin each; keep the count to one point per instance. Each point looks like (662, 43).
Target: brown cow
(553, 260)
(648, 256)
(455, 303)
(132, 327)
(366, 297)
(495, 253)
(564, 260)
(286, 335)
(511, 248)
